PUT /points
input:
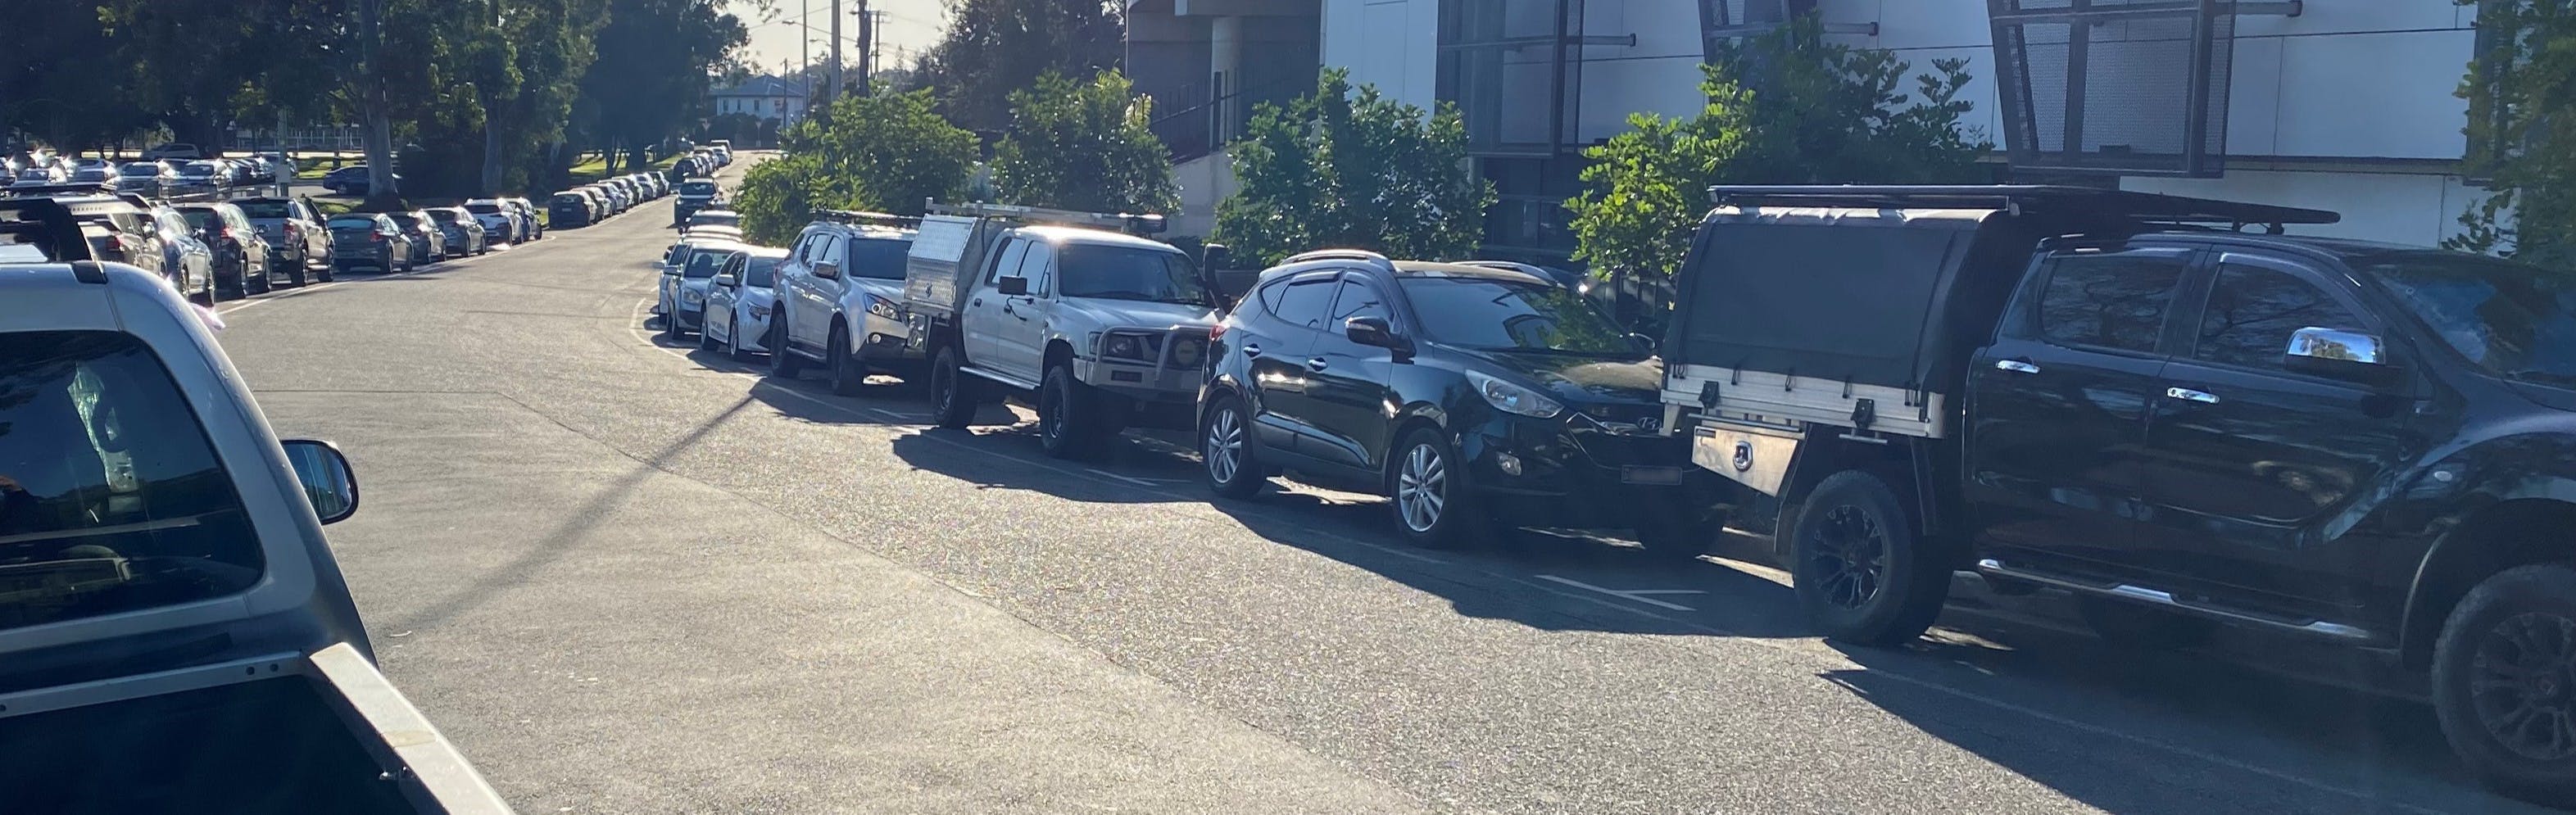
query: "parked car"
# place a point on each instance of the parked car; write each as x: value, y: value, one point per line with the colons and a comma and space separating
x: 2120, y: 397
x: 535, y: 224
x: 39, y: 175
x: 1470, y: 395
x: 686, y: 271
x: 148, y: 177
x: 186, y: 260
x: 249, y: 172
x: 372, y: 240
x: 95, y: 171
x: 351, y: 180
x: 740, y: 299
x: 116, y: 229
x: 501, y: 221
x: 569, y: 209
x: 240, y: 257
x: 427, y: 241
x: 176, y: 631
x: 204, y: 175
x: 457, y: 228
x: 294, y: 233
x: 713, y: 217
x: 695, y: 194
x: 841, y: 290
x: 173, y: 150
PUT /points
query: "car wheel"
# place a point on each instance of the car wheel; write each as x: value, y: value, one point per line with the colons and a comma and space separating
x: 848, y: 375
x: 300, y: 273
x: 2504, y: 682
x: 671, y: 324
x: 782, y: 363
x: 1068, y: 421
x: 1434, y: 506
x: 1859, y: 571
x: 705, y: 344
x: 2142, y: 626
x: 952, y: 393
x: 261, y: 276
x: 1227, y: 454
x: 733, y: 341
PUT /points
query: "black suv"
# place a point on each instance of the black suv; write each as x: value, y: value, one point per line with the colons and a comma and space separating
x: 1467, y: 393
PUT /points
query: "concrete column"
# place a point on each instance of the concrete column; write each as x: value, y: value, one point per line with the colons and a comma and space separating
x: 1225, y: 58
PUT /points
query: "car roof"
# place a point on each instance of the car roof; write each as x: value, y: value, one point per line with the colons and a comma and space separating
x: 1094, y: 237
x: 765, y: 251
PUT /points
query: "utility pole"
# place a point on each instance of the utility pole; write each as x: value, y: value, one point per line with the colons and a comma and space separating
x: 867, y: 46
x: 835, y: 94
x: 804, y: 31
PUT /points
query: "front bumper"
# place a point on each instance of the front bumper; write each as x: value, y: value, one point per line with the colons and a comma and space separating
x: 692, y: 316
x: 1567, y: 471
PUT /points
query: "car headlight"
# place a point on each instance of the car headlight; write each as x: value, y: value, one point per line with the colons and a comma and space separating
x: 1187, y: 352
x: 1510, y: 398
x: 692, y: 296
x: 1124, y: 346
x: 881, y: 307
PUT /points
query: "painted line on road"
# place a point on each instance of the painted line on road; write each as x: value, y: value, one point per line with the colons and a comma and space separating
x: 1107, y: 474
x: 1624, y: 595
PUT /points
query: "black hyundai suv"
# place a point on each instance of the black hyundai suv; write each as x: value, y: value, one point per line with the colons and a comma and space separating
x: 1469, y: 394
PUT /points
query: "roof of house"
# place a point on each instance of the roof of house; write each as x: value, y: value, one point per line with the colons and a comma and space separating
x: 764, y: 86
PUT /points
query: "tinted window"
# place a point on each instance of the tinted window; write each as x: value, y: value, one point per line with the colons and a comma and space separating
x: 698, y: 188
x: 2109, y: 301
x: 1356, y: 300
x: 1305, y: 302
x: 205, y: 219
x: 139, y: 169
x: 2508, y: 318
x: 265, y: 209
x: 704, y: 262
x: 2252, y: 311
x: 351, y: 223
x: 111, y: 498
x: 479, y: 209
x: 1127, y: 273
x: 879, y: 258
x: 1503, y: 315
x: 756, y: 271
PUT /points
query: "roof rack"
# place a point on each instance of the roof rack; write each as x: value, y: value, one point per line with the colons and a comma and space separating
x: 1147, y: 224
x: 2038, y: 199
x: 1338, y: 254
x: 853, y: 217
x: 46, y: 224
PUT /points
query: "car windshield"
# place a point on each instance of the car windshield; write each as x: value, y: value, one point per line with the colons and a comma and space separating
x: 484, y: 209
x: 755, y: 270
x: 139, y: 169
x: 265, y: 209
x: 2511, y: 319
x: 199, y: 168
x: 879, y: 258
x: 205, y: 219
x: 405, y: 220
x: 1127, y: 273
x: 111, y: 498
x: 715, y: 219
x: 351, y: 223
x: 704, y: 262
x: 698, y: 188
x: 1493, y: 314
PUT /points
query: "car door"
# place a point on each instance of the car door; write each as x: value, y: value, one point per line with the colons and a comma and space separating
x: 1284, y: 414
x: 718, y: 322
x: 2056, y: 418
x: 1346, y: 382
x: 812, y: 327
x: 2252, y: 466
x: 1022, y: 332
x: 795, y: 283
x: 983, y: 313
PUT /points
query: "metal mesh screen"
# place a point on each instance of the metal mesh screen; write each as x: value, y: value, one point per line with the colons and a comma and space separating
x: 1511, y: 67
x: 2129, y: 87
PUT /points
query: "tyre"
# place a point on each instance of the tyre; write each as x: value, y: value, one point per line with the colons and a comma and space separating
x: 1227, y: 452
x: 671, y: 324
x: 953, y: 394
x: 1434, y: 506
x: 1068, y: 416
x: 848, y: 375
x: 704, y: 344
x: 2504, y: 682
x: 733, y: 342
x: 1860, y: 573
x: 300, y: 273
x: 259, y: 277
x: 783, y: 363
x: 2142, y: 626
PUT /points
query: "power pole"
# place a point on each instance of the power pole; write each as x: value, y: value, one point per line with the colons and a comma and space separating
x: 804, y: 33
x: 867, y: 46
x: 835, y: 94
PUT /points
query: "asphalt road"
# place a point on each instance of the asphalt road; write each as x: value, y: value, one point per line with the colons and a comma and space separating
x: 631, y: 577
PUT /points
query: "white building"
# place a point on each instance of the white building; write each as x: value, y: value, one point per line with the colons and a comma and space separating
x: 768, y: 97
x: 2345, y: 104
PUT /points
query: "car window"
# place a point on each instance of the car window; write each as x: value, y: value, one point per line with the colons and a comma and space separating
x: 2511, y: 319
x: 265, y: 209
x: 1513, y: 315
x: 1129, y: 273
x: 1039, y: 267
x: 704, y: 263
x: 2253, y: 310
x: 351, y: 223
x: 756, y: 271
x: 111, y: 498
x: 1009, y: 261
x: 877, y: 258
x: 1305, y: 302
x: 2115, y: 301
x: 204, y: 219
x: 1356, y: 299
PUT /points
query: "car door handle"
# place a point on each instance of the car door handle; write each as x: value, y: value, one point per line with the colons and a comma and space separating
x: 2189, y: 395
x: 1315, y: 364
x: 2016, y: 366
x: 1253, y: 351
x: 977, y: 302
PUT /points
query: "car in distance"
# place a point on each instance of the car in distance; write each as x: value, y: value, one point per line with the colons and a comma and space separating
x: 695, y: 194
x: 740, y: 300
x: 351, y: 180
x: 173, y: 150
x: 241, y: 257
x: 427, y: 240
x: 39, y: 175
x: 204, y: 175
x: 568, y: 209
x: 841, y: 289
x: 148, y: 177
x: 370, y: 240
x: 529, y: 217
x: 464, y: 235
x: 501, y: 223
x: 187, y: 260
x: 685, y: 277
x: 294, y: 233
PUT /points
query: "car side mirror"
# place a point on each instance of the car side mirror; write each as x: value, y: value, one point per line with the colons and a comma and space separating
x: 1012, y: 286
x: 1214, y: 257
x: 1374, y: 332
x: 827, y: 271
x: 328, y: 482
x: 724, y: 280
x: 2341, y: 354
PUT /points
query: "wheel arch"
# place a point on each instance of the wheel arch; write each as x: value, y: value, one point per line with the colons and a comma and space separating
x: 2490, y: 539
x: 1825, y: 452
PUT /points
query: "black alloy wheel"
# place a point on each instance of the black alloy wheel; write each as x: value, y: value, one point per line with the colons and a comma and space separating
x: 1066, y: 428
x: 1858, y: 569
x: 952, y: 393
x: 2504, y: 682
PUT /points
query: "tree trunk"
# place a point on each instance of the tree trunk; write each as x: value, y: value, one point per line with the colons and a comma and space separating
x: 491, y: 154
x: 375, y: 109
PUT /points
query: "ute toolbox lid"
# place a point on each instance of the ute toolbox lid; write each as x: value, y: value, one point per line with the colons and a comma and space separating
x: 1859, y: 305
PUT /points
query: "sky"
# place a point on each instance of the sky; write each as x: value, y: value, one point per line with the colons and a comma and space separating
x: 911, y: 26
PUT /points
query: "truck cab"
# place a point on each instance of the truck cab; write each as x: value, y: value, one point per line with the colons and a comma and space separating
x: 1099, y: 327
x: 2176, y: 423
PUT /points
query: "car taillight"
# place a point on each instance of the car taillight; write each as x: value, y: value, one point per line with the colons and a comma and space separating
x: 378, y: 237
x: 1216, y: 333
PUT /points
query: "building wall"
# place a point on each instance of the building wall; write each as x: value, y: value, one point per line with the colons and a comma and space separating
x: 1393, y: 44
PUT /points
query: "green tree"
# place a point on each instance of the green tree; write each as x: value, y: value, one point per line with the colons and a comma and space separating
x: 1339, y: 168
x: 2521, y: 88
x: 58, y: 91
x: 994, y: 48
x: 649, y: 78
x: 889, y: 152
x: 1087, y: 146
x: 1783, y: 108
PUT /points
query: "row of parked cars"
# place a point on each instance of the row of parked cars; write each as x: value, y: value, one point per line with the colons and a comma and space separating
x: 162, y: 177
x: 215, y: 250
x: 403, y: 241
x: 600, y: 200
x: 2116, y: 404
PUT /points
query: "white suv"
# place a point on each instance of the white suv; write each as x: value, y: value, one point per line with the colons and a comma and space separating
x: 840, y: 301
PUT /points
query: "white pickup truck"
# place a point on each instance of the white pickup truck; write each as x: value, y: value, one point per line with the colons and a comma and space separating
x: 1101, y: 328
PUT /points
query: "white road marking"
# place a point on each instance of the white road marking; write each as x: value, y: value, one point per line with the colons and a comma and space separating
x: 1625, y: 595
x: 1107, y: 474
